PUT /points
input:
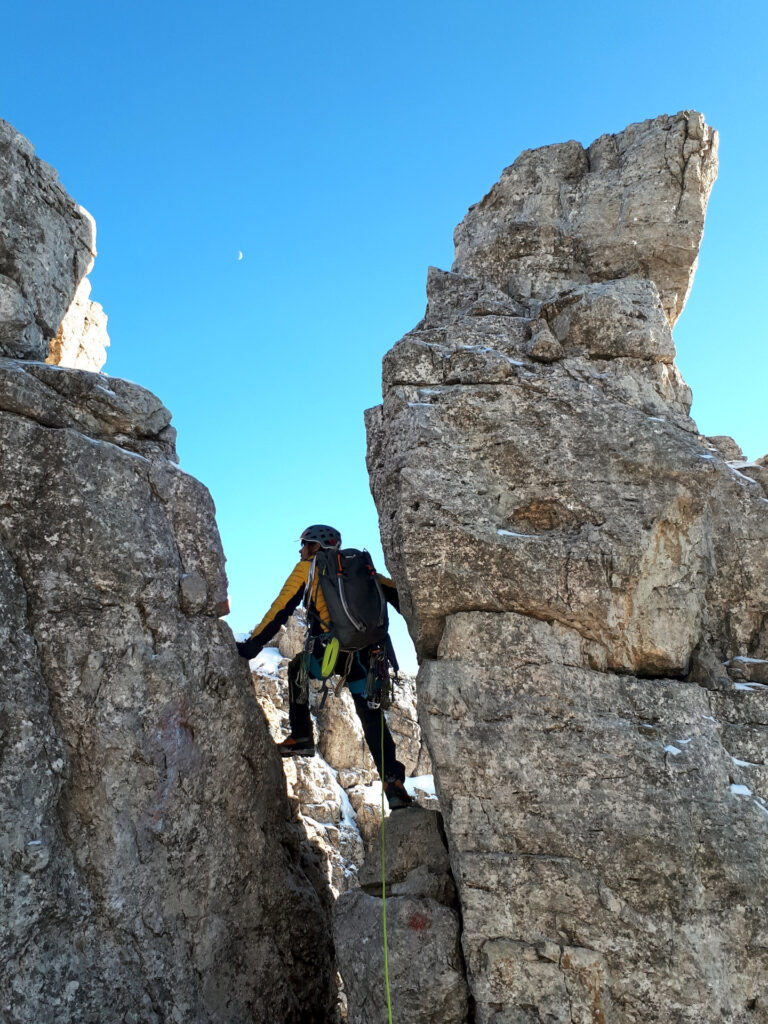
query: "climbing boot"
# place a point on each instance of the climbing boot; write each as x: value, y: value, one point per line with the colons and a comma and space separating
x: 397, y: 795
x: 294, y: 746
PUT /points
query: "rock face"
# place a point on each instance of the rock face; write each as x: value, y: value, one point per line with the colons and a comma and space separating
x: 150, y: 871
x: 336, y: 795
x: 426, y: 969
x: 584, y: 577
x: 631, y: 205
x: 47, y: 245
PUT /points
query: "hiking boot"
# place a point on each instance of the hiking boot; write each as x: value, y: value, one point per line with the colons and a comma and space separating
x: 397, y: 795
x: 292, y: 746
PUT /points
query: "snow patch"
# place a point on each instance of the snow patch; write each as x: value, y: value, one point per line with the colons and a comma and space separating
x: 521, y: 536
x: 179, y: 469
x: 674, y: 751
x: 348, y: 816
x: 267, y: 661
x: 118, y: 448
x: 739, y: 790
x: 373, y: 793
x: 423, y: 783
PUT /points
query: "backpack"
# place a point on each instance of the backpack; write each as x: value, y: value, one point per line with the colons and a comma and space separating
x: 356, y: 603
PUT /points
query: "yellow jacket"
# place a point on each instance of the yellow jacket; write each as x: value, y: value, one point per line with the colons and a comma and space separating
x: 288, y: 600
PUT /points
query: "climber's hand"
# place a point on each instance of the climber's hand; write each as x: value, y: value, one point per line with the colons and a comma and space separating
x: 247, y: 648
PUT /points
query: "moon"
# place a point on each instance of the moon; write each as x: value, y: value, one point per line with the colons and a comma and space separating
x: 239, y: 254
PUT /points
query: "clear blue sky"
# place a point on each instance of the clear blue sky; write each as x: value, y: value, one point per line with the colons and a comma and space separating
x: 336, y: 145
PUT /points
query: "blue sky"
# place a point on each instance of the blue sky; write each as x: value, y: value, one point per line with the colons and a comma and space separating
x: 336, y: 145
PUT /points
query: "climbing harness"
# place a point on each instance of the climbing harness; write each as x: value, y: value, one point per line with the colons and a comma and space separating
x: 377, y: 693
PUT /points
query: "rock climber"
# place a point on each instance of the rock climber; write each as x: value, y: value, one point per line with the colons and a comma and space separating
x: 300, y: 741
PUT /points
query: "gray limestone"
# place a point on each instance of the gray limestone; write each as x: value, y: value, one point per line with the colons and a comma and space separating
x: 47, y: 246
x: 148, y: 865
x: 586, y: 581
x: 631, y: 204
x: 425, y: 963
x: 150, y: 871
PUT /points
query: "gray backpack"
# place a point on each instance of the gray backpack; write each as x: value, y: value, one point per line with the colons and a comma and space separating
x: 355, y: 599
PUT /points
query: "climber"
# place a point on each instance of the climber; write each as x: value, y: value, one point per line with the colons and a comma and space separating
x: 300, y: 741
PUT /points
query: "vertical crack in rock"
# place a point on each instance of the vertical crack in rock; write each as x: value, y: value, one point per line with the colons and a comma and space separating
x: 586, y: 581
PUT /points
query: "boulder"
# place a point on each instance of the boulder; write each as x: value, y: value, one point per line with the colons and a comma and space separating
x: 426, y: 972
x: 415, y: 844
x: 425, y: 963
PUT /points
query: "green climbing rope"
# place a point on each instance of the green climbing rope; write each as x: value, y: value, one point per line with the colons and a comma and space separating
x: 384, y: 876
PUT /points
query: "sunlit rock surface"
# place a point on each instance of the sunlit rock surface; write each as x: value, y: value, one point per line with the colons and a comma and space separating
x: 425, y: 965
x: 81, y: 340
x: 47, y: 245
x: 586, y: 582
x: 149, y: 867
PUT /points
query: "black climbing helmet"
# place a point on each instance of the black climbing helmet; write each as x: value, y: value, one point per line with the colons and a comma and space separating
x: 325, y: 536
